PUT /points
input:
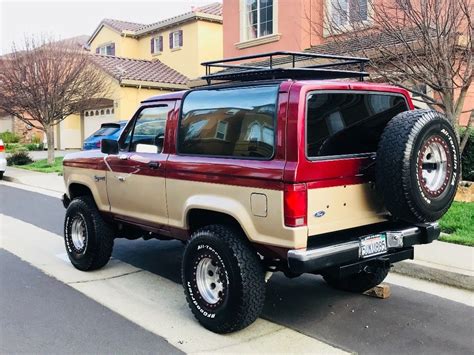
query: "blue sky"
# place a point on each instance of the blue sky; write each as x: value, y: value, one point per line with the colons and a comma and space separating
x: 69, y: 18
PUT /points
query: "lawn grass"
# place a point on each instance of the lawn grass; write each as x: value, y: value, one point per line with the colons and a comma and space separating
x: 43, y: 166
x: 458, y: 223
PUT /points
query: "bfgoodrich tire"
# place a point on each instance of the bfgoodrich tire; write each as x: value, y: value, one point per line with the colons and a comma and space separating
x: 223, y: 279
x: 360, y: 282
x: 417, y: 169
x: 88, y: 238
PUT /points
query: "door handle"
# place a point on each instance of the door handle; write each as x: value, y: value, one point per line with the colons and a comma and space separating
x: 154, y: 164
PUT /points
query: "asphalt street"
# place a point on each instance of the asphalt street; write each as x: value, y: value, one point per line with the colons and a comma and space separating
x: 408, y: 322
x: 42, y: 315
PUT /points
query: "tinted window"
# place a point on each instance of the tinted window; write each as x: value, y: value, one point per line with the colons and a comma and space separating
x: 149, y: 129
x: 235, y: 122
x: 348, y: 123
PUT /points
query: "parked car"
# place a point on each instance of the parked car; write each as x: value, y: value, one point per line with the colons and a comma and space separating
x: 274, y: 170
x: 3, y: 160
x: 107, y: 130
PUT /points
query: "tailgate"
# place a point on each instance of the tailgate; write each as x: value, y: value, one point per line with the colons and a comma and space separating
x: 342, y: 207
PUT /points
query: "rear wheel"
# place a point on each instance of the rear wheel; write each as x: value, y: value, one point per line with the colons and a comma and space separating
x: 88, y: 238
x: 360, y: 282
x: 223, y: 279
x: 1, y: 175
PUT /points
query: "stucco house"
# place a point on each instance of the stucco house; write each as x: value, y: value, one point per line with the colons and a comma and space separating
x: 259, y: 26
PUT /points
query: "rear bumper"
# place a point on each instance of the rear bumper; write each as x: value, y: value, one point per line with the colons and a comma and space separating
x: 344, y: 257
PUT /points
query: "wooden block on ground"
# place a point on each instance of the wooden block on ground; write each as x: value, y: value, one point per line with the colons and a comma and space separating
x: 379, y: 291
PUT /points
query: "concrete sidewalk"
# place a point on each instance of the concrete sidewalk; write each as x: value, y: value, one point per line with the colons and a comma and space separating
x: 439, y: 262
x: 50, y: 181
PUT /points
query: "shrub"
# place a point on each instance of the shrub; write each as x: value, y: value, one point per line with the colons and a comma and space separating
x: 20, y: 157
x: 467, y: 159
x: 34, y: 146
x: 9, y: 137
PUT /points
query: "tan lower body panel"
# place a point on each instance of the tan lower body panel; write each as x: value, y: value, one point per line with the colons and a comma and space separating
x: 236, y: 201
x: 140, y: 197
x: 88, y: 178
x: 342, y: 207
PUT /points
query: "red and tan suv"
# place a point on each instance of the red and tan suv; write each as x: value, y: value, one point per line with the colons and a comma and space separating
x: 263, y: 173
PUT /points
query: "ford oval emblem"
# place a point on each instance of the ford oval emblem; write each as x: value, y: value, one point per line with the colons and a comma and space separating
x: 319, y: 214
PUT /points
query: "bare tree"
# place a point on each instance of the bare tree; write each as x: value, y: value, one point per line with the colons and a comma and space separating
x: 47, y: 81
x: 410, y: 42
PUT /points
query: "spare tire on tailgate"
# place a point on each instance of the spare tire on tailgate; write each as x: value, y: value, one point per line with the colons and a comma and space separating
x: 417, y: 167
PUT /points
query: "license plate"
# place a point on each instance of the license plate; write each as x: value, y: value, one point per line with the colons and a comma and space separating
x: 372, y: 245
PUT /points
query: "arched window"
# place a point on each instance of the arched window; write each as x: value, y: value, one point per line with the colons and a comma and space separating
x: 102, y: 112
x: 107, y: 111
x: 97, y: 112
x: 87, y: 114
x: 112, y: 111
x: 92, y: 113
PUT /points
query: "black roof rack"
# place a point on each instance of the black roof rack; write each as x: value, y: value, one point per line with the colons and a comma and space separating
x: 282, y: 65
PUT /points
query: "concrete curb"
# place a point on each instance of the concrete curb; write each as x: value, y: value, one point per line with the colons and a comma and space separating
x: 433, y: 274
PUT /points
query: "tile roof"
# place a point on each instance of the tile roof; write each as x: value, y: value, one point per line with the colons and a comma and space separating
x: 211, y: 9
x: 141, y: 70
x: 212, y: 12
x: 122, y: 25
x: 364, y: 43
x: 349, y: 47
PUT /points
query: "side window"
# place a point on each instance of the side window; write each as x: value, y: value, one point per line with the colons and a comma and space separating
x: 148, y: 133
x: 233, y: 122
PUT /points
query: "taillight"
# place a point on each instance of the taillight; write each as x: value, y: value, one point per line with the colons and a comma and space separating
x: 2, y: 148
x: 295, y: 205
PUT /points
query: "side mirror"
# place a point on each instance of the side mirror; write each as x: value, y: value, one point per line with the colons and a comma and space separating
x: 109, y: 146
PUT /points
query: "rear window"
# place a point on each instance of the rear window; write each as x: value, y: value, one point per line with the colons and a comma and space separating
x: 231, y: 122
x: 106, y: 131
x: 348, y: 123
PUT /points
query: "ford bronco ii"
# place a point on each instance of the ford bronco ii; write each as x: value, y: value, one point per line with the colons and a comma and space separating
x: 268, y: 170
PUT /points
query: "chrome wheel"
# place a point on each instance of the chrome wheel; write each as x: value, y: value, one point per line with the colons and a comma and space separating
x: 78, y: 233
x: 434, y: 169
x: 209, y: 281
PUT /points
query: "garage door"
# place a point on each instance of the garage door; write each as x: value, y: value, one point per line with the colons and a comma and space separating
x: 93, y: 119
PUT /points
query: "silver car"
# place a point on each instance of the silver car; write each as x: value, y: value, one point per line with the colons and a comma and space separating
x: 3, y: 160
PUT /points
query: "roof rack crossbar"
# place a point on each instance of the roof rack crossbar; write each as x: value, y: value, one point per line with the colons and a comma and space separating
x: 271, y: 68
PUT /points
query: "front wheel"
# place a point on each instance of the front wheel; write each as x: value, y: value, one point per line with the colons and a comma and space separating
x: 88, y: 238
x: 223, y: 279
x: 360, y: 282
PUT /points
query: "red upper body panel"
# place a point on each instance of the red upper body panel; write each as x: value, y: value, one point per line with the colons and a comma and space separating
x: 289, y: 164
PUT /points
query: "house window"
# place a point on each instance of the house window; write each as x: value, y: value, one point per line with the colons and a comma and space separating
x: 221, y: 131
x: 108, y: 49
x: 258, y: 18
x: 157, y: 45
x: 344, y: 12
x: 176, y: 39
